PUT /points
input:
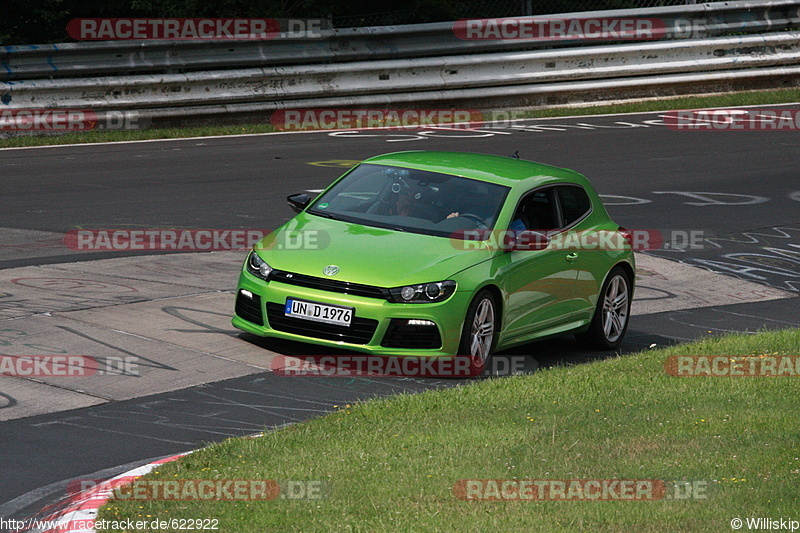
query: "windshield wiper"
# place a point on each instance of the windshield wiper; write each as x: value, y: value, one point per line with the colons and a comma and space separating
x: 325, y: 215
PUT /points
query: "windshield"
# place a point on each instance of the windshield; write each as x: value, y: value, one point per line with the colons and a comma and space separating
x: 416, y: 201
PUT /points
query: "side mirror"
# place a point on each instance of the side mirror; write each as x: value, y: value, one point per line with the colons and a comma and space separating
x: 298, y: 202
x: 529, y: 240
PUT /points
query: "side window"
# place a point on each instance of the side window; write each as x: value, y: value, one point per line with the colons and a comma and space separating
x: 575, y: 203
x: 536, y: 211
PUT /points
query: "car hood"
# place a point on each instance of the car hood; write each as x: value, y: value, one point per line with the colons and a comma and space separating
x: 364, y: 254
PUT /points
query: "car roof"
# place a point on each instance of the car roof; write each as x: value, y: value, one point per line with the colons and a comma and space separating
x: 502, y: 170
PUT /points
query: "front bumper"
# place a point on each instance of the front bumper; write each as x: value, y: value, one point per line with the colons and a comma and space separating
x: 378, y: 327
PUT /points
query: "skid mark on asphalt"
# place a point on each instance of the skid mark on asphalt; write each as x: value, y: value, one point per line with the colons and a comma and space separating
x: 202, y: 327
x: 140, y: 359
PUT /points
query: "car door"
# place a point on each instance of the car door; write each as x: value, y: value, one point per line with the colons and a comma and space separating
x: 539, y: 285
x: 580, y: 244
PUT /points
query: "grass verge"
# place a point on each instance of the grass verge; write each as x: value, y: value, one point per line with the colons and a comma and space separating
x: 391, y: 464
x: 763, y: 97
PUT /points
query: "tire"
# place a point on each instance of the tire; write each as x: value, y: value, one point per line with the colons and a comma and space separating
x: 479, y: 334
x: 612, y: 314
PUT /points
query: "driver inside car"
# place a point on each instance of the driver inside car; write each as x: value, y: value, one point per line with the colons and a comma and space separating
x: 408, y: 206
x: 401, y: 203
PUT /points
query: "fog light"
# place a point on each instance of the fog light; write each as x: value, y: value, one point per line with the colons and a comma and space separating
x: 418, y: 322
x: 246, y: 293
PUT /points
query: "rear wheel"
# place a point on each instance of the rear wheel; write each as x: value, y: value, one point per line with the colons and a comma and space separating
x: 479, y: 335
x: 611, y: 315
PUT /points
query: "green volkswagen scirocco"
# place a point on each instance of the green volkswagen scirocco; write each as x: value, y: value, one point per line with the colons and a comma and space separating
x: 433, y: 254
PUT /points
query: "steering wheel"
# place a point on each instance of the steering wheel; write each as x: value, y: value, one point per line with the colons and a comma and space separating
x: 475, y: 218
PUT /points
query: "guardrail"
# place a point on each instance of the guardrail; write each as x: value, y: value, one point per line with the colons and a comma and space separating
x: 355, y: 44
x: 334, y: 70
x: 403, y: 75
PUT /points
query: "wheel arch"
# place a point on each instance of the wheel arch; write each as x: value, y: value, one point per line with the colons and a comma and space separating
x: 628, y: 268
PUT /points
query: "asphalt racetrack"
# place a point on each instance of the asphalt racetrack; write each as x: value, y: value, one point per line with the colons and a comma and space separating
x: 727, y: 205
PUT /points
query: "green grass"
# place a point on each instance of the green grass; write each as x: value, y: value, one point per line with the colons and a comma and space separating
x: 763, y: 97
x: 391, y: 464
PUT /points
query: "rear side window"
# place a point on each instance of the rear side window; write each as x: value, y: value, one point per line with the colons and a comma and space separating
x: 575, y: 203
x: 537, y: 211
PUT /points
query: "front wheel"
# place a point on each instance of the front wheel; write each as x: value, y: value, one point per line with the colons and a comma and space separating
x: 479, y: 334
x: 610, y: 320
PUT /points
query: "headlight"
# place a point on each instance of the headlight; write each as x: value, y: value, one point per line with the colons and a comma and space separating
x: 423, y: 293
x: 258, y: 267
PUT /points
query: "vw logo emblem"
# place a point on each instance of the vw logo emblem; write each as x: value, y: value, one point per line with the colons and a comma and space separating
x: 330, y: 270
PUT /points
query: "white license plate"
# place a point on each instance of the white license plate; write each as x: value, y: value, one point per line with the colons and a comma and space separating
x: 330, y: 314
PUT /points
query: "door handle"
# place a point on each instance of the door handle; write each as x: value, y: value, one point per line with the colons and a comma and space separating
x: 572, y: 257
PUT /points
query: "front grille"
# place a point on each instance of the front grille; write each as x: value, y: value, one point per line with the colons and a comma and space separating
x: 330, y: 285
x: 402, y: 335
x: 249, y: 308
x: 360, y: 330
